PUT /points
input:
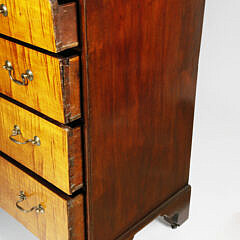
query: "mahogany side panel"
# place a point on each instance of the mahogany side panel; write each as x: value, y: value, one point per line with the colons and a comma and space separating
x: 129, y: 238
x: 139, y: 86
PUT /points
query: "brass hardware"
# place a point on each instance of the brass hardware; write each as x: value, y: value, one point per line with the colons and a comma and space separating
x: 3, y: 10
x: 26, y: 77
x: 38, y: 209
x: 16, y: 132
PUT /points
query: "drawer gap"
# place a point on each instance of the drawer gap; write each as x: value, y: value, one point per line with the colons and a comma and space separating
x: 42, y: 180
x: 65, y: 1
x: 66, y: 53
x: 76, y: 123
x: 59, y: 152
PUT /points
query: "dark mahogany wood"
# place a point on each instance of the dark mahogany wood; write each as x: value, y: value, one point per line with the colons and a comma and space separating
x: 130, y: 238
x: 75, y: 218
x: 70, y: 73
x: 75, y: 157
x: 140, y: 62
x: 65, y: 22
x: 177, y: 204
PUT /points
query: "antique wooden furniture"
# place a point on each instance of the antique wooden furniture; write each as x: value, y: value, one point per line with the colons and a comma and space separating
x: 96, y: 114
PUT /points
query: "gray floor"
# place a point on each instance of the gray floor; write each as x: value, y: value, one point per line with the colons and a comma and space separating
x: 215, y: 208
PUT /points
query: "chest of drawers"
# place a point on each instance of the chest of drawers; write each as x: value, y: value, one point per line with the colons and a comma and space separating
x: 96, y: 114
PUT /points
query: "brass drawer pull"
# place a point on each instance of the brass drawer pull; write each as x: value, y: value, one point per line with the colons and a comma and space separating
x: 3, y: 10
x: 16, y: 132
x: 37, y: 209
x: 26, y: 77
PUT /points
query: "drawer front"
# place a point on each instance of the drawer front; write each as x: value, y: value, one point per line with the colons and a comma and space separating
x: 45, y: 23
x: 52, y: 152
x: 54, y: 89
x: 52, y: 216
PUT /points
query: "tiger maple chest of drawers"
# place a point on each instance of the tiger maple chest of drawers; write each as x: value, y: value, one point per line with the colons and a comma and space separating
x: 96, y: 114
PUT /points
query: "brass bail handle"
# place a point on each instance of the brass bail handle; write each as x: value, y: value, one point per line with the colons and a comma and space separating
x: 22, y: 197
x: 3, y: 10
x: 26, y: 77
x: 16, y: 132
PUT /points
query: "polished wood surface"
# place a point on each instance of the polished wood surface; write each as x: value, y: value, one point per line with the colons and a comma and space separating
x: 56, y: 222
x: 177, y: 204
x: 43, y: 23
x: 55, y: 88
x: 57, y: 159
x: 129, y: 238
x: 139, y: 87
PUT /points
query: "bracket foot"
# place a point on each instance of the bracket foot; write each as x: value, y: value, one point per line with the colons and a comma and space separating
x: 173, y: 221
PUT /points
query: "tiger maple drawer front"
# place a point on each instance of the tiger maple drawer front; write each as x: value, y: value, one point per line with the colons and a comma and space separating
x: 51, y: 151
x: 43, y: 212
x: 45, y: 24
x: 47, y: 84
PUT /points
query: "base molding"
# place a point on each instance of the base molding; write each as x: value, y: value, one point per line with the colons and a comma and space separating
x: 130, y: 238
x: 178, y: 204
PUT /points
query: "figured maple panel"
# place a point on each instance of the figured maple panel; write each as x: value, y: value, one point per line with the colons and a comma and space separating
x: 55, y: 88
x: 43, y: 23
x: 57, y: 159
x: 56, y: 222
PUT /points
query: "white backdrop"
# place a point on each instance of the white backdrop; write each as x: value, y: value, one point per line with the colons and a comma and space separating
x: 215, y: 169
x: 215, y: 166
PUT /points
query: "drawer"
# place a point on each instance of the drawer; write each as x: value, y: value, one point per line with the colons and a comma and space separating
x: 45, y: 24
x: 54, y: 216
x: 51, y: 151
x: 54, y: 89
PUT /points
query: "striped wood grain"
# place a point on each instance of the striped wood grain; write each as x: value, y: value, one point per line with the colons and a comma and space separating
x: 43, y: 23
x: 57, y: 159
x: 55, y: 89
x: 56, y: 222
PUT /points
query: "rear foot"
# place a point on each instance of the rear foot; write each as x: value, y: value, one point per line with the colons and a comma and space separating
x: 172, y: 221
